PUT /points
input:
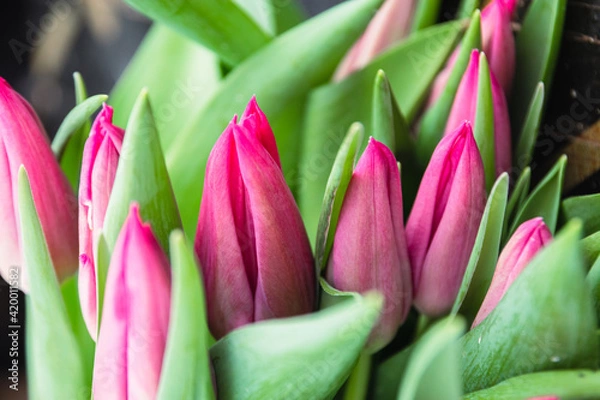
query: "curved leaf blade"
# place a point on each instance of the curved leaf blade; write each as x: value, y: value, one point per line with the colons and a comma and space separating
x: 529, y: 132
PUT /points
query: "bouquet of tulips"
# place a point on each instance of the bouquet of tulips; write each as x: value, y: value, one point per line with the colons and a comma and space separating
x: 274, y: 207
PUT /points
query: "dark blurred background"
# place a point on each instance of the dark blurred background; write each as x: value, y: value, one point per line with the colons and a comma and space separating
x: 42, y: 42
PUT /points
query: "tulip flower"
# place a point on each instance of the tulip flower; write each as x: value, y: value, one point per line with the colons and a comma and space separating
x: 529, y: 238
x: 99, y: 166
x: 465, y: 108
x: 444, y: 220
x: 135, y: 316
x: 23, y: 141
x: 369, y: 248
x: 390, y: 24
x: 255, y: 255
x: 497, y: 42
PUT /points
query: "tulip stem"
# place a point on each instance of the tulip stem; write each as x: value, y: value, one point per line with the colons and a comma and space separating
x: 357, y: 385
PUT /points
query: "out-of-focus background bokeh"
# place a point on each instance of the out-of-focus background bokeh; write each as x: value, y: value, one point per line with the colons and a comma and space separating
x: 42, y: 42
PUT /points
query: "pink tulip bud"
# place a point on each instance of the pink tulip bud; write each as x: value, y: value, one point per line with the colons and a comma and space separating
x: 23, y: 141
x: 529, y: 238
x: 390, y: 24
x: 444, y: 220
x: 135, y: 316
x: 497, y: 42
x: 255, y: 255
x: 465, y: 108
x: 369, y: 249
x: 98, y: 169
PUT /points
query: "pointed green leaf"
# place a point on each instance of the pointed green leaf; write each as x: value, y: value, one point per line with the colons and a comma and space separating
x: 338, y: 182
x: 383, y: 128
x: 52, y: 346
x: 593, y: 280
x: 544, y: 201
x: 586, y: 208
x: 102, y: 262
x: 566, y: 385
x: 517, y: 197
x: 426, y: 14
x: 297, y: 61
x: 410, y: 67
x: 591, y: 248
x: 467, y: 7
x: 433, y: 369
x: 529, y: 132
x: 545, y: 320
x: 220, y: 25
x: 484, y: 255
x: 313, y: 353
x: 288, y: 14
x: 142, y: 177
x: 75, y: 120
x: 484, y: 122
x: 434, y: 120
x: 186, y: 372
x: 537, y: 45
x: 180, y: 75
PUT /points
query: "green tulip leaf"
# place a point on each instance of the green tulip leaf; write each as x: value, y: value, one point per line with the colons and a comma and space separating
x: 331, y: 296
x: 426, y: 14
x: 467, y: 7
x: 305, y: 357
x: 221, y: 25
x: 74, y: 135
x: 180, y: 76
x: 186, y: 372
x: 544, y: 200
x: 537, y: 45
x: 484, y: 255
x: 142, y: 177
x: 298, y: 60
x: 586, y: 208
x: 102, y: 262
x: 545, y: 321
x: 591, y: 248
x: 288, y: 14
x: 433, y: 372
x: 529, y: 132
x: 338, y: 182
x: 484, y: 122
x: 517, y: 197
x: 593, y: 280
x: 52, y: 345
x: 434, y: 119
x: 565, y: 385
x: 410, y: 68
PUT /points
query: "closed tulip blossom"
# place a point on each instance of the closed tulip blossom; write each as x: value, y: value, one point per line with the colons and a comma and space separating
x: 135, y: 316
x: 369, y: 249
x: 444, y: 221
x: 465, y: 108
x: 529, y: 238
x: 99, y: 166
x: 255, y: 255
x: 23, y: 141
x: 497, y: 42
x: 389, y: 25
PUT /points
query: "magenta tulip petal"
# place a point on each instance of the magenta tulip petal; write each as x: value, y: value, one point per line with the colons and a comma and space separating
x: 390, y: 24
x: 135, y: 316
x: 99, y: 167
x: 23, y: 141
x: 369, y: 249
x: 444, y: 221
x: 251, y: 243
x: 529, y: 238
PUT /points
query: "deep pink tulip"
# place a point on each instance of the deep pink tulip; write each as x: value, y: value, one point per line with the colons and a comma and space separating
x: 444, y: 220
x: 369, y: 249
x: 135, y: 316
x: 389, y: 25
x: 255, y: 255
x: 529, y: 238
x: 497, y: 42
x: 23, y: 141
x: 465, y: 108
x: 98, y: 169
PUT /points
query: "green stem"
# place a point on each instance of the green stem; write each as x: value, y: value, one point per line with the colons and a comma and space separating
x: 357, y: 386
